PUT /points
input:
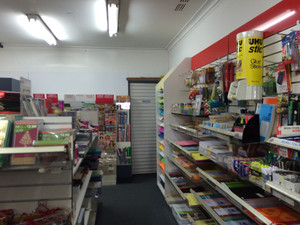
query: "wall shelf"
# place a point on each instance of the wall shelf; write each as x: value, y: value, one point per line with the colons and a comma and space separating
x: 220, y: 133
x: 180, y: 148
x: 283, y: 193
x: 184, y: 170
x: 188, y: 131
x: 176, y: 187
x: 226, y: 192
x: 184, y: 114
x: 183, y: 129
x: 208, y: 209
x: 284, y: 143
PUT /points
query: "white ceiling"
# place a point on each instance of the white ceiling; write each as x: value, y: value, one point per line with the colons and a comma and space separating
x: 143, y: 23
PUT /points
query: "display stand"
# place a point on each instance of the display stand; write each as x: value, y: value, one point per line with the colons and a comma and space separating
x: 107, y: 136
x: 26, y: 187
x: 124, y: 166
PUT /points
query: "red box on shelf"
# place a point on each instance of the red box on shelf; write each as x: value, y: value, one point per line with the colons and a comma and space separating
x: 104, y: 99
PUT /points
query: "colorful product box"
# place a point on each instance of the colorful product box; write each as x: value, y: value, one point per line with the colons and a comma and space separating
x: 280, y: 214
x: 25, y: 132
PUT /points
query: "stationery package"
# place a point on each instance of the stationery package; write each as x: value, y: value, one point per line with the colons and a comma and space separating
x: 25, y: 132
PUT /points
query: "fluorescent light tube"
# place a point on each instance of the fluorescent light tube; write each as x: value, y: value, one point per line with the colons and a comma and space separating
x: 274, y: 21
x: 101, y: 14
x: 113, y: 19
x: 39, y: 29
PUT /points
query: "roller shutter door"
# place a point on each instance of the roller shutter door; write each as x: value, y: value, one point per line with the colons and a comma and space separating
x: 143, y: 127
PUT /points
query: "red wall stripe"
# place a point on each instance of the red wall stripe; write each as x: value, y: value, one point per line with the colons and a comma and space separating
x: 210, y: 54
x: 227, y: 44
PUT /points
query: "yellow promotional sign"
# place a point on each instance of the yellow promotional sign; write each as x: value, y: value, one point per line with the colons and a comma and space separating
x: 254, y: 60
x: 249, y: 57
x: 240, y: 49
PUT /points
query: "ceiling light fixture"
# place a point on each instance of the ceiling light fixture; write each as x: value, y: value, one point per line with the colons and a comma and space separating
x: 274, y: 21
x: 39, y: 29
x: 101, y: 14
x: 113, y: 18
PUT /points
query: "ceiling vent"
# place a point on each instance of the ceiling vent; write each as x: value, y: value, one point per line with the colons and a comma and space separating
x: 184, y: 0
x: 180, y: 7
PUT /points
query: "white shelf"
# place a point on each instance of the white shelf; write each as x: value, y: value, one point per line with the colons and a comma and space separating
x: 162, y: 177
x: 75, y: 168
x: 161, y: 188
x: 284, y: 143
x: 237, y: 201
x: 22, y: 150
x: 185, y: 130
x: 188, y: 173
x: 87, y: 212
x: 93, y: 211
x: 178, y: 147
x: 176, y: 187
x: 92, y: 219
x: 80, y: 196
x: 191, y: 219
x: 220, y: 133
x: 162, y: 153
x: 207, y: 208
x: 293, y: 196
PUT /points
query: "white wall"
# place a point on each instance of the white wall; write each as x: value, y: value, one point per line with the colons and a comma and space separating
x: 80, y: 71
x: 224, y: 17
x: 97, y: 71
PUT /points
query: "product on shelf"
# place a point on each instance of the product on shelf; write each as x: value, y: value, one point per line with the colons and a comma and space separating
x: 180, y: 211
x: 24, y: 134
x: 9, y: 102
